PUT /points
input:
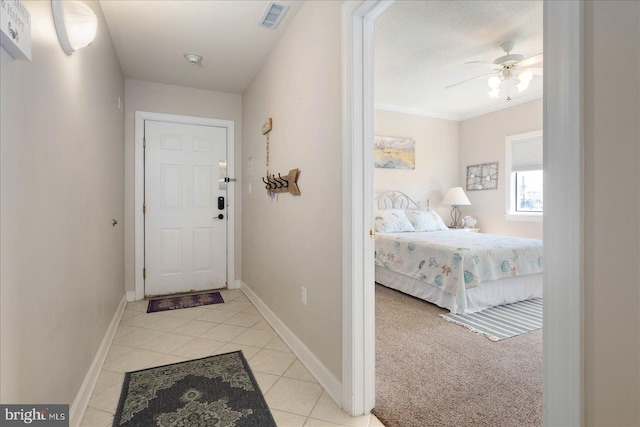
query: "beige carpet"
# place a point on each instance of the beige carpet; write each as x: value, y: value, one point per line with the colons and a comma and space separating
x: 430, y: 372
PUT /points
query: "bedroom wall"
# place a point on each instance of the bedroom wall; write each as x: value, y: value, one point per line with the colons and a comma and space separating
x: 482, y: 140
x: 61, y: 179
x: 296, y: 241
x: 437, y: 155
x: 611, y: 213
x: 169, y: 99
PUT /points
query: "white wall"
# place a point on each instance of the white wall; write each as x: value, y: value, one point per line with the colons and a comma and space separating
x: 62, y: 169
x: 437, y: 164
x: 445, y: 148
x: 168, y: 99
x: 482, y: 140
x: 295, y: 241
x: 611, y: 214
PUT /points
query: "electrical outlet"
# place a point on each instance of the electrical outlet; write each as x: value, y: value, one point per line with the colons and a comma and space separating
x: 303, y: 294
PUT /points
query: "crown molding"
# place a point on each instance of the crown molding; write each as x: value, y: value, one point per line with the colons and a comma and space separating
x: 416, y: 112
x: 459, y: 117
x: 502, y: 106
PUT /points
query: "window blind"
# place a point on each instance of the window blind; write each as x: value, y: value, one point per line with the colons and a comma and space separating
x: 526, y: 154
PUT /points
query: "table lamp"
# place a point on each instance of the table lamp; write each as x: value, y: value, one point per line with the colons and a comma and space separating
x: 455, y: 197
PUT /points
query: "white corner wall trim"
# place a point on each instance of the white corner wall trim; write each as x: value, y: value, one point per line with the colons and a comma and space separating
x: 358, y: 296
x: 131, y: 296
x: 80, y: 403
x: 563, y: 344
x: 326, y: 379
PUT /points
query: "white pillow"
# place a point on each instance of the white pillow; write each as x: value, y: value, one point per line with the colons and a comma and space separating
x: 392, y: 221
x: 425, y: 220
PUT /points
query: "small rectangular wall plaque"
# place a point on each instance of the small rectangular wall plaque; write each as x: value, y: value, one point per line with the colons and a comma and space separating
x: 15, y: 29
x: 266, y: 126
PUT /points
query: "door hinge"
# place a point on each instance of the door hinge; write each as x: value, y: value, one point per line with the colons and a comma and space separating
x: 144, y: 273
x: 144, y: 209
x: 144, y: 142
x: 372, y: 232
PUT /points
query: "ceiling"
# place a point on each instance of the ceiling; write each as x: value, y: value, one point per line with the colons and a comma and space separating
x: 421, y: 47
x: 152, y: 36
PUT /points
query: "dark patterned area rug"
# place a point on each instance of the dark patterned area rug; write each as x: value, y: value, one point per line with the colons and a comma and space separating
x: 184, y: 301
x: 216, y: 391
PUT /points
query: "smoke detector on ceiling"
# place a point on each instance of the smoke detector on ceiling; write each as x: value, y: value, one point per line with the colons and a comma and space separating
x: 193, y: 58
x: 273, y: 14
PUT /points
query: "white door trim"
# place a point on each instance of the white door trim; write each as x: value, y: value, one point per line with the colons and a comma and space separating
x: 563, y: 365
x: 140, y: 117
x: 358, y: 300
x: 563, y: 401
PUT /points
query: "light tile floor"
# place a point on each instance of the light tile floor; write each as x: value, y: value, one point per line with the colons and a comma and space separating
x: 146, y: 340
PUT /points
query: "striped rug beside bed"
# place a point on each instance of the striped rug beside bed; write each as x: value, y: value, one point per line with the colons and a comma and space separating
x: 504, y: 321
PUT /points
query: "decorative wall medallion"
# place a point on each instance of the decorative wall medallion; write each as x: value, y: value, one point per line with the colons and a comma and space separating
x: 482, y: 177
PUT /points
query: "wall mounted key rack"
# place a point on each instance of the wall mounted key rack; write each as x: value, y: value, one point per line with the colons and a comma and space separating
x: 283, y: 184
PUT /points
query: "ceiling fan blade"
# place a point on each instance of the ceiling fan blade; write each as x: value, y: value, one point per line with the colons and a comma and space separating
x: 536, y: 71
x: 484, y: 64
x: 532, y: 60
x: 472, y: 78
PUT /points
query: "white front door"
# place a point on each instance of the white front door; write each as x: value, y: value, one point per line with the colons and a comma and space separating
x: 185, y: 209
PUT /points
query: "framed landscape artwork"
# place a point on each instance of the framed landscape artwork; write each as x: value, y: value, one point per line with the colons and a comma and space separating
x: 392, y: 152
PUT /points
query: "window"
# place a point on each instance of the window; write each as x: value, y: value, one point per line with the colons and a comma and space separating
x: 524, y: 198
x: 528, y: 191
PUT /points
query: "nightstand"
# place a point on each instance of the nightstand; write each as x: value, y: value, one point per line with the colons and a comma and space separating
x: 468, y: 230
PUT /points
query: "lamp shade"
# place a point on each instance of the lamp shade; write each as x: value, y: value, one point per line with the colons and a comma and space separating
x: 456, y: 197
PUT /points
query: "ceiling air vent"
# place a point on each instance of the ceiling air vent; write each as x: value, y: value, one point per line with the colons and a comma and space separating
x: 273, y: 14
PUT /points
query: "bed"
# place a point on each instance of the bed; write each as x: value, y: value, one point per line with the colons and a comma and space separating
x: 460, y: 271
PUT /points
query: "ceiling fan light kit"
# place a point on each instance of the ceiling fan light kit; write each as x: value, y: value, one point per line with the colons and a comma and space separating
x: 494, y: 84
x: 523, y: 80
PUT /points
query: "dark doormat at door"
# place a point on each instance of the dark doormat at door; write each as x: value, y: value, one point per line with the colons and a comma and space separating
x: 183, y: 301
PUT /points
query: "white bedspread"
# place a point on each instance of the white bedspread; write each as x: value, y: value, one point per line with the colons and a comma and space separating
x: 455, y: 261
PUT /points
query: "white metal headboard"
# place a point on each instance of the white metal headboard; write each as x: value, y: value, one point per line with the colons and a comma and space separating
x: 396, y: 200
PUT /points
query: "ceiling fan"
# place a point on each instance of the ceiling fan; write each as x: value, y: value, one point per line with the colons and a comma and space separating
x: 506, y: 67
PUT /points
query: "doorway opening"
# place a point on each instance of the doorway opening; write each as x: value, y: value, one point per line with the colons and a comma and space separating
x: 563, y: 209
x: 428, y: 92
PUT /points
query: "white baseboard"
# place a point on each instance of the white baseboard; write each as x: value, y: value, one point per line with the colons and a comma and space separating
x: 79, y: 406
x: 131, y: 296
x: 236, y: 284
x: 326, y: 379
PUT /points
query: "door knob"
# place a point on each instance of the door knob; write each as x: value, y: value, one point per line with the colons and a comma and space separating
x: 219, y: 217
